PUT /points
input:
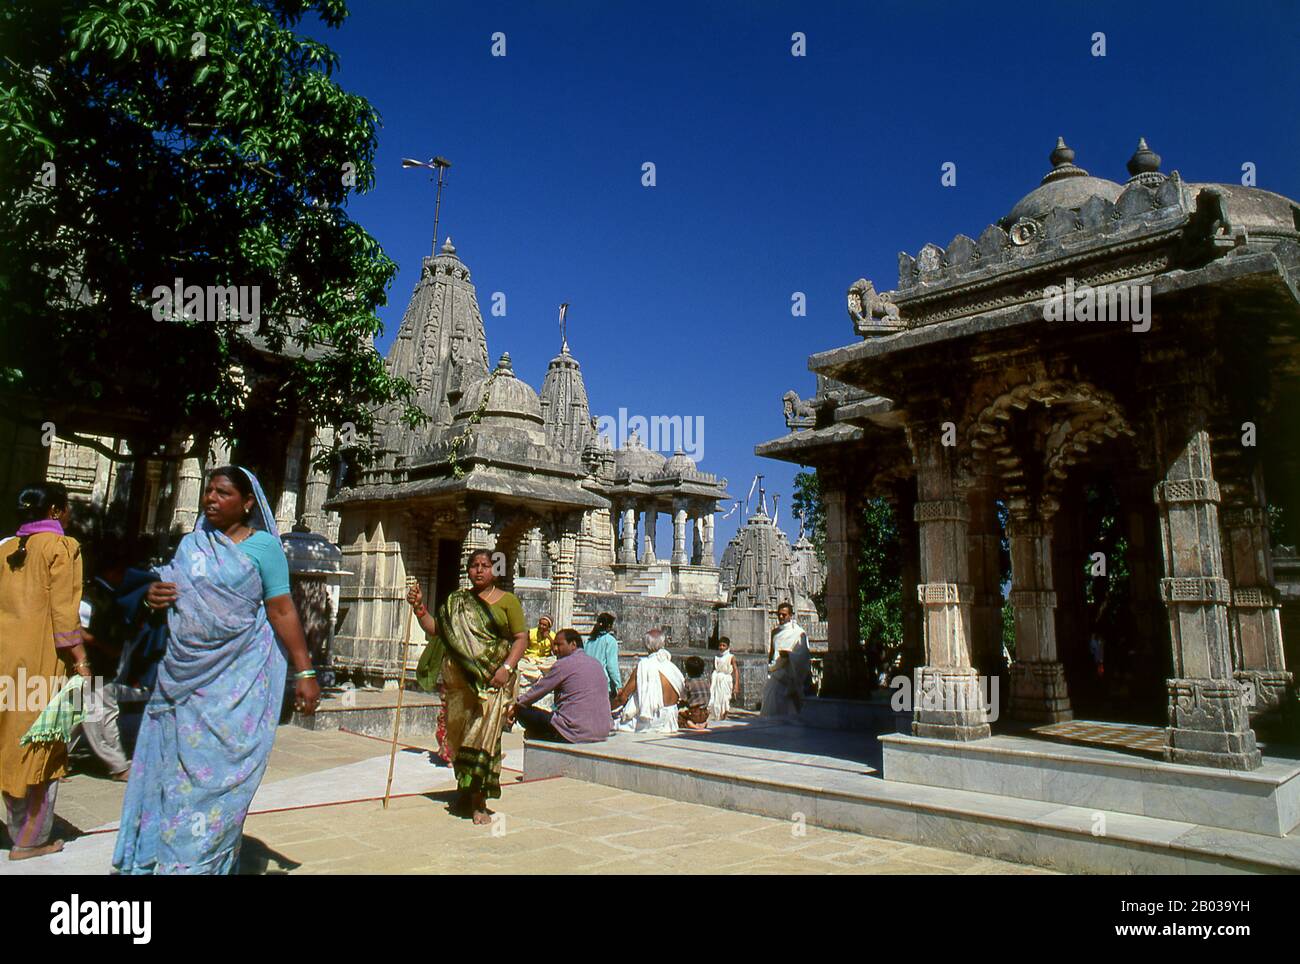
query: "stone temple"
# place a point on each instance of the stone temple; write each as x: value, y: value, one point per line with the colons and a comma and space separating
x: 526, y: 475
x: 993, y: 393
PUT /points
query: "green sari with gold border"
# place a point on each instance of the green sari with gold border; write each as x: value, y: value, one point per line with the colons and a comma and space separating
x: 472, y: 641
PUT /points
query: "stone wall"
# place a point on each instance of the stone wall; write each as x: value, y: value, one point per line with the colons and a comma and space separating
x: 688, y: 622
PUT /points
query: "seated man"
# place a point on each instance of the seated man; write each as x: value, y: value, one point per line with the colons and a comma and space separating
x: 649, y: 697
x: 581, y: 698
x: 537, y: 658
x: 695, y: 695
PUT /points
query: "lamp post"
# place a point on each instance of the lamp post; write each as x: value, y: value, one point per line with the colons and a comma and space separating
x: 441, y: 165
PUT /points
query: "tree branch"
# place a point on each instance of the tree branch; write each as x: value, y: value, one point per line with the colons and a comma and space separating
x: 96, y: 446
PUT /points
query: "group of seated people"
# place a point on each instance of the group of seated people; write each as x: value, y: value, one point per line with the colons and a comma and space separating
x: 587, y: 699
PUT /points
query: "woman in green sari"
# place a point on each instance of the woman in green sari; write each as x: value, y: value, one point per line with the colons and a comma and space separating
x: 475, y: 643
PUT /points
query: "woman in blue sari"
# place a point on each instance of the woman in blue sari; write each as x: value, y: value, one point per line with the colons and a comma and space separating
x: 210, y: 723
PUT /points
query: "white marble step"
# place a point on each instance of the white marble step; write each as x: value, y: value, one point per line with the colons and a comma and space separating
x: 754, y: 775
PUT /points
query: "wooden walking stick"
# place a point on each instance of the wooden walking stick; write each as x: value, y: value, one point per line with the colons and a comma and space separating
x: 401, y: 689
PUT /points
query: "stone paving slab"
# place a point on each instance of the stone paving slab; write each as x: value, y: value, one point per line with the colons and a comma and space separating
x: 312, y: 822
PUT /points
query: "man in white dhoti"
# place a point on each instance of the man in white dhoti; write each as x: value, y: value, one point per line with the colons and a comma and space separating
x: 649, y: 697
x: 789, y: 665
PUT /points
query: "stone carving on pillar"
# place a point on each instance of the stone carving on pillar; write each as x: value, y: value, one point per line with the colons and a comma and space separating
x: 679, y: 557
x: 706, y: 551
x: 1254, y: 613
x: 561, y: 546
x: 648, y: 557
x: 627, y: 548
x: 189, y: 492
x: 317, y: 488
x: 1209, y: 723
x: 985, y: 540
x: 953, y: 708
x: 844, y: 668
x: 286, y: 509
x: 1038, y: 690
x: 482, y: 515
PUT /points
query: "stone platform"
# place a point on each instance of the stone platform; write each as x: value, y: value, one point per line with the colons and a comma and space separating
x: 832, y: 779
x: 369, y: 712
x: 1263, y: 801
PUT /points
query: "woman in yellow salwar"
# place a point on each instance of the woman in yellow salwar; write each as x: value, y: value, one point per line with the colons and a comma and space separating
x: 40, y: 634
x: 477, y: 639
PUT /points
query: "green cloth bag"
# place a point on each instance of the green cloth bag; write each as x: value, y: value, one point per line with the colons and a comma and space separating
x: 57, y: 721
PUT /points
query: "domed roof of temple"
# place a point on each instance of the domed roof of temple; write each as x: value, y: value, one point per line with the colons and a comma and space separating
x: 565, y: 409
x: 508, y: 398
x: 1064, y: 186
x: 636, y: 461
x: 680, y: 466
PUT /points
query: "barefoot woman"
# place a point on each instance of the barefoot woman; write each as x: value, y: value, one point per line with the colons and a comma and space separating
x: 483, y: 636
x: 210, y: 723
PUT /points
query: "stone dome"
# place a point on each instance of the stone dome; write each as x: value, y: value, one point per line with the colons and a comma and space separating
x: 1064, y: 186
x: 680, y: 466
x: 509, y: 399
x: 1256, y: 210
x: 636, y: 461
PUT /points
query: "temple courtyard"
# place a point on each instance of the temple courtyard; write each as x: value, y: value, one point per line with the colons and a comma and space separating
x: 319, y: 811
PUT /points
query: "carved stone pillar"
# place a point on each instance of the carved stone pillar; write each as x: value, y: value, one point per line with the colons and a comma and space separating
x: 1038, y: 690
x: 1208, y: 721
x: 286, y: 506
x: 904, y: 503
x: 985, y: 540
x: 679, y: 557
x: 317, y: 488
x: 947, y: 701
x: 1151, y: 627
x: 707, y: 557
x: 627, y: 548
x: 479, y: 536
x: 844, y: 669
x: 189, y: 493
x: 561, y: 546
x: 648, y: 557
x: 1254, y: 613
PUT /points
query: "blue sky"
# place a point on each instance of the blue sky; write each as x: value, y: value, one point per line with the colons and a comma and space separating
x: 775, y: 174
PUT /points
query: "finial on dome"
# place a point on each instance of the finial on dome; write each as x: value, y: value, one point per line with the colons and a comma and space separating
x: 1062, y: 158
x: 1062, y: 154
x: 1144, y: 160
x: 504, y: 366
x: 448, y: 247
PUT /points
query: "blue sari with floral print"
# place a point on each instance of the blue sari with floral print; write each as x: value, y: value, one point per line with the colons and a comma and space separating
x: 210, y: 723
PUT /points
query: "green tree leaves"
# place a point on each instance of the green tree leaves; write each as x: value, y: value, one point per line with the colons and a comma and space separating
x: 202, y: 140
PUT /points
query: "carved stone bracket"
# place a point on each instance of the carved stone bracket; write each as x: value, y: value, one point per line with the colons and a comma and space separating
x: 942, y: 510
x: 1186, y: 490
x: 1196, y: 590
